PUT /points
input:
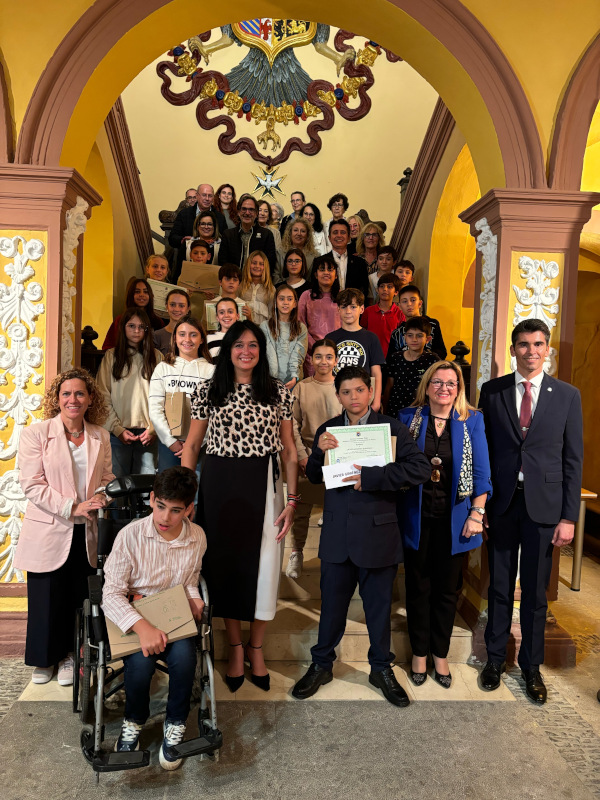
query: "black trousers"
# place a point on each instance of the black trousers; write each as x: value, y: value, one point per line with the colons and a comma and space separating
x: 338, y: 582
x: 507, y: 533
x: 52, y: 599
x: 433, y: 579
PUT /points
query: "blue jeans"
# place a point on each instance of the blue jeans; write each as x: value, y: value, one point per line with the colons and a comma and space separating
x: 139, y: 669
x: 134, y: 458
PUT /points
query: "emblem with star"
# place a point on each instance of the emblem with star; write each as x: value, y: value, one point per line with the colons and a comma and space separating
x: 268, y: 183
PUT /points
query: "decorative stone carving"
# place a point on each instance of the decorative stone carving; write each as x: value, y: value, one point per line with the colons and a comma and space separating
x: 538, y: 300
x: 21, y: 356
x: 487, y: 244
x: 76, y: 224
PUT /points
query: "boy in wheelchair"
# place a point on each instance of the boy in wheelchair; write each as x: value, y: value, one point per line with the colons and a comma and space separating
x: 150, y: 555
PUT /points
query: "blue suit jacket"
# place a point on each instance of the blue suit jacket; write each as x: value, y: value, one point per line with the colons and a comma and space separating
x: 410, y: 502
x: 363, y: 526
x: 551, y: 454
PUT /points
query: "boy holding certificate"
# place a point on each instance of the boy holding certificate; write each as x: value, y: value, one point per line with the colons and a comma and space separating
x: 149, y: 555
x: 360, y: 539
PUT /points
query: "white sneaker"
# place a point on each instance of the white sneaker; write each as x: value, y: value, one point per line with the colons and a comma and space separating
x: 65, y: 671
x: 295, y: 564
x: 128, y: 740
x: 320, y: 522
x: 42, y: 674
x: 174, y: 733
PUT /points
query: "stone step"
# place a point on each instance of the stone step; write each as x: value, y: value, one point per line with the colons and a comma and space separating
x: 294, y: 630
x: 307, y: 587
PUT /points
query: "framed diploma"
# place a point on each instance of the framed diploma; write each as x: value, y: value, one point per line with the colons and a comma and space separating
x: 357, y: 442
x: 160, y: 291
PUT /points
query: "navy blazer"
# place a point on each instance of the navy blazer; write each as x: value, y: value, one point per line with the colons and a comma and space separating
x: 551, y: 453
x: 363, y: 526
x: 357, y: 274
x: 410, y: 504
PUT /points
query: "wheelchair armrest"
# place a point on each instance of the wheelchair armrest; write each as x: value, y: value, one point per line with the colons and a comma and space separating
x: 95, y: 589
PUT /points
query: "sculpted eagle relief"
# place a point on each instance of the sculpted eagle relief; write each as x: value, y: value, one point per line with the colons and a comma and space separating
x: 269, y: 87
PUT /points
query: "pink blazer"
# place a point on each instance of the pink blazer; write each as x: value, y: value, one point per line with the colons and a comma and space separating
x: 46, y: 477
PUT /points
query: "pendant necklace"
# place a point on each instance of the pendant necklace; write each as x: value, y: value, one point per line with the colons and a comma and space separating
x: 436, y: 461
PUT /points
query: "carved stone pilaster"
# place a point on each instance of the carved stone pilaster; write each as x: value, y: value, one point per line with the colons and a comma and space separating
x: 487, y: 244
x: 76, y: 224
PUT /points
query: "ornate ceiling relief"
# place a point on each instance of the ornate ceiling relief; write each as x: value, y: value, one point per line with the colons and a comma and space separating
x: 21, y: 359
x: 487, y: 244
x: 269, y: 87
x: 76, y: 224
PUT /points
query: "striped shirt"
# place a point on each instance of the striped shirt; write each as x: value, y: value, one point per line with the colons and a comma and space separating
x: 142, y: 562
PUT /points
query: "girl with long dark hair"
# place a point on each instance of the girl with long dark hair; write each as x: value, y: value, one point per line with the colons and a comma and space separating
x: 245, y: 415
x: 295, y: 271
x: 312, y: 214
x: 124, y: 379
x: 138, y: 294
x: 225, y: 202
x: 318, y: 309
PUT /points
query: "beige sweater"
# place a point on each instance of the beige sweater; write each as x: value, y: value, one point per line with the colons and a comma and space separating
x: 314, y: 404
x: 127, y: 399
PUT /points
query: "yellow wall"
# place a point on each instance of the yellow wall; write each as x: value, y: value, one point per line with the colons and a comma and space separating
x: 452, y: 253
x: 364, y: 159
x: 98, y: 253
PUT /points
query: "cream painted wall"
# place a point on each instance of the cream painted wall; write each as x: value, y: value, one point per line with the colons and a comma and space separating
x: 364, y: 159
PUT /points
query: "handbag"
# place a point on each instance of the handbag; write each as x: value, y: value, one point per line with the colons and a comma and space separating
x: 178, y: 414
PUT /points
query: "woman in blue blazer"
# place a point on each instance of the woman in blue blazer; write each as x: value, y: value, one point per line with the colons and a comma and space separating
x: 442, y: 518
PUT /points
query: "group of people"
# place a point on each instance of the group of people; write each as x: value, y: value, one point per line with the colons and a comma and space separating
x: 252, y: 404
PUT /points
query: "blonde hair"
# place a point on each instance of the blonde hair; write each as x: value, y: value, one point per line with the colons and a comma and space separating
x: 151, y: 258
x: 360, y: 241
x: 360, y: 221
x: 286, y: 240
x: 266, y: 277
x: 461, y: 405
x: 97, y: 411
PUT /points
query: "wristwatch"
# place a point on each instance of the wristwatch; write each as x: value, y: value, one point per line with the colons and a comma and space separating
x: 478, y: 509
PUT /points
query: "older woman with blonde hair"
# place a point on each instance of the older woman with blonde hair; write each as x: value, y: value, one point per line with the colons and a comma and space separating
x: 63, y: 461
x: 370, y: 241
x: 299, y: 233
x: 443, y: 518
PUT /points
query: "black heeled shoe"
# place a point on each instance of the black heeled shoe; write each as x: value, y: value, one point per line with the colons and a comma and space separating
x: 418, y: 678
x: 443, y: 680
x: 262, y: 681
x: 234, y: 683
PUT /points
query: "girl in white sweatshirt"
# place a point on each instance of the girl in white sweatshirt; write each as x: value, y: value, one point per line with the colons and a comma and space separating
x: 187, y: 364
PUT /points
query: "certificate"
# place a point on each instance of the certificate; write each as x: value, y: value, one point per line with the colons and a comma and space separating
x: 160, y: 290
x: 357, y: 442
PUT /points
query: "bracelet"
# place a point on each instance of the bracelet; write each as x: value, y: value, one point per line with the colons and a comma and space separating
x: 292, y: 505
x: 296, y: 497
x: 478, y: 509
x: 478, y: 521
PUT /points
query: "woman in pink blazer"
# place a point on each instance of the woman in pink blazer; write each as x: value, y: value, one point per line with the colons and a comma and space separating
x: 62, y: 461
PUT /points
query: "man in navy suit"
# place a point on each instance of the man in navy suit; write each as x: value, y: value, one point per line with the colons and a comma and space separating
x: 535, y: 436
x: 360, y: 539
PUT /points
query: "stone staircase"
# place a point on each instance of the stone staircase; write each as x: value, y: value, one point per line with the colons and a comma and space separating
x: 294, y: 630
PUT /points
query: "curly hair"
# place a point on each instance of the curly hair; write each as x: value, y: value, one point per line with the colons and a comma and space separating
x: 97, y: 412
x: 286, y: 240
x: 370, y: 227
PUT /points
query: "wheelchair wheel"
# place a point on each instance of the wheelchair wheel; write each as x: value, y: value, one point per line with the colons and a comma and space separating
x: 85, y: 673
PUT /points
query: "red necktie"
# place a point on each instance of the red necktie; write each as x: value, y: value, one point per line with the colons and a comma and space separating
x: 525, y: 415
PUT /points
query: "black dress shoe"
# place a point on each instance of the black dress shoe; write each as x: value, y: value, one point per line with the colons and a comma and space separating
x: 418, y: 678
x: 392, y: 691
x: 443, y: 680
x: 491, y: 674
x: 534, y: 685
x: 262, y: 681
x: 309, y: 684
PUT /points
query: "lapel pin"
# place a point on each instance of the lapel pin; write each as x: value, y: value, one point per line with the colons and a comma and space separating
x: 549, y: 388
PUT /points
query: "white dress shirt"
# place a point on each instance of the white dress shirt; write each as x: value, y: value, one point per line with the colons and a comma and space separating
x: 342, y: 267
x: 520, y: 391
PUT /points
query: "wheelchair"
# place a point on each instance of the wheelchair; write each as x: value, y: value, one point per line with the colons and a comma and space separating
x: 97, y: 677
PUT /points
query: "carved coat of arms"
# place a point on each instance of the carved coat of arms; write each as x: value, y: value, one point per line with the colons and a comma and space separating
x: 269, y: 87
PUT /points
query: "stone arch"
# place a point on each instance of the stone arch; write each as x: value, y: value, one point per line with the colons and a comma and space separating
x: 502, y: 133
x: 573, y: 122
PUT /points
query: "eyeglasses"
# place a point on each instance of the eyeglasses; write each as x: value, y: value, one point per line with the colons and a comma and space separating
x: 206, y: 225
x: 437, y: 384
x: 370, y: 235
x: 337, y: 205
x: 294, y: 261
x: 247, y: 210
x: 132, y: 327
